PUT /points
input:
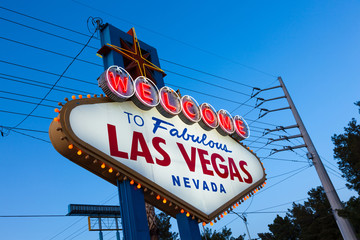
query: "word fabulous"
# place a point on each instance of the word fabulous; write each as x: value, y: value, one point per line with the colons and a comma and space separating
x: 117, y: 84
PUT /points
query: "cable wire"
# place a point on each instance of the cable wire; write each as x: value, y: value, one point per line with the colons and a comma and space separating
x: 48, y: 51
x: 50, y: 73
x: 42, y: 31
x: 24, y: 114
x: 177, y: 40
x: 56, y: 81
x: 24, y: 101
x: 303, y: 169
x: 28, y: 135
x: 206, y: 73
x: 43, y: 21
x: 206, y: 82
x: 47, y: 85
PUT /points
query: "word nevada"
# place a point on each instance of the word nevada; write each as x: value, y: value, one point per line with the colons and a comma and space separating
x: 118, y: 85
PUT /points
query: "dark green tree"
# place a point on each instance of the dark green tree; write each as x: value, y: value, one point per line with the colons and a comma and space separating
x: 266, y: 236
x: 281, y: 229
x: 312, y: 220
x: 351, y: 212
x: 164, y: 225
x: 347, y: 152
x: 225, y: 234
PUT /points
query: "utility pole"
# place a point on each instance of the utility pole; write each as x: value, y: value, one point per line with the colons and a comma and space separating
x: 245, y: 222
x: 344, y: 225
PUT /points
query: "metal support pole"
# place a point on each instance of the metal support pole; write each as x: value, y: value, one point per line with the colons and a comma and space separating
x: 247, y: 229
x: 132, y: 203
x: 245, y: 222
x: 132, y: 210
x: 281, y: 138
x: 344, y: 225
x: 101, y: 237
x: 117, y: 229
x: 188, y: 227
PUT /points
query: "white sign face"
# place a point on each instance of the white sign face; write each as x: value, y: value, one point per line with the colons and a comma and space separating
x: 203, y: 168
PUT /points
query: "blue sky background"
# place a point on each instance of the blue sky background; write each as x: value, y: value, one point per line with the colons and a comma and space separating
x: 312, y: 45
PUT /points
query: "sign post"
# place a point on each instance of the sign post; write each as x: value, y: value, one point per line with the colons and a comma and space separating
x: 133, y: 213
x: 188, y: 228
x: 132, y: 201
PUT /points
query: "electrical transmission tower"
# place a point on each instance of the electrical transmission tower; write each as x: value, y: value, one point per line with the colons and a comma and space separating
x: 344, y: 225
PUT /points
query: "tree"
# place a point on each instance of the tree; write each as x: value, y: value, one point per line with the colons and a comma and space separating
x: 314, y: 219
x: 281, y: 229
x: 351, y: 212
x: 347, y: 152
x: 309, y: 221
x: 164, y: 225
x: 225, y: 234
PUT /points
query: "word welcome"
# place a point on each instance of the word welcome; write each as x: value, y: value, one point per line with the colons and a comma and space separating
x: 117, y: 83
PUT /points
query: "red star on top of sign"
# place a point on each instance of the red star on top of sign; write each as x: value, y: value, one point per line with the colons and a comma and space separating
x: 136, y: 63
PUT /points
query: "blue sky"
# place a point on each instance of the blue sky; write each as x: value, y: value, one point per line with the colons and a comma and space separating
x: 312, y: 45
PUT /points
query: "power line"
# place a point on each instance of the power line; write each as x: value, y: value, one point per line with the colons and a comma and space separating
x: 266, y: 212
x: 42, y: 31
x: 24, y: 101
x: 279, y: 205
x: 80, y: 80
x: 206, y: 73
x: 47, y: 85
x: 70, y: 40
x: 206, y: 82
x: 251, y: 97
x: 62, y: 231
x: 28, y: 96
x: 286, y: 173
x: 205, y: 94
x: 28, y: 129
x: 56, y: 81
x: 50, y: 73
x: 49, y: 51
x: 261, y: 122
x: 285, y: 160
x: 28, y: 135
x: 335, y: 175
x: 24, y: 114
x: 67, y: 228
x: 101, y: 65
x: 40, y: 20
x: 177, y: 40
x: 71, y: 235
x: 31, y: 216
x: 263, y: 147
x: 284, y: 179
x: 94, y: 84
x: 336, y: 172
x: 329, y: 162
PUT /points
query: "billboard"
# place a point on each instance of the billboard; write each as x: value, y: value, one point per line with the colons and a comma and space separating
x: 186, y: 157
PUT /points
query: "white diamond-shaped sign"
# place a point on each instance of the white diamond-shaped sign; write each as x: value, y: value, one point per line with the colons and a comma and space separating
x: 200, y: 171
